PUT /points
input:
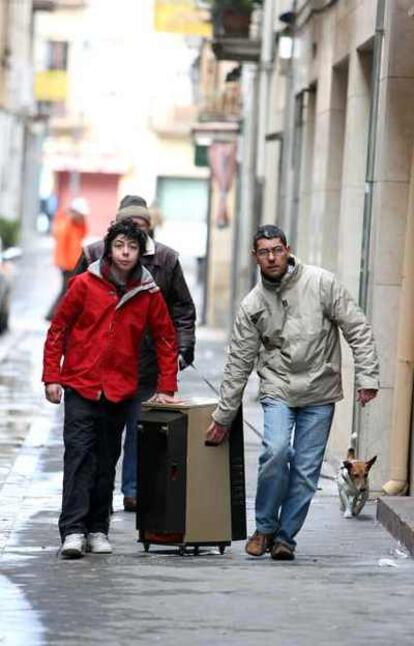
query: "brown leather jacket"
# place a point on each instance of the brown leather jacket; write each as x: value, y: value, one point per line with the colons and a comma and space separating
x: 167, y: 272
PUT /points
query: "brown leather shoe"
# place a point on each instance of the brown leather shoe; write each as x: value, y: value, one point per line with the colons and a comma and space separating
x: 130, y: 503
x: 259, y: 544
x: 281, y: 552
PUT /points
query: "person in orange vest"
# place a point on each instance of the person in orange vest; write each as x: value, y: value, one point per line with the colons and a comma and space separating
x: 69, y: 229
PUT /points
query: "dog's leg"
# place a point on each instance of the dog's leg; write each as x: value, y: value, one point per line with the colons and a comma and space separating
x: 344, y: 503
x: 359, y: 503
x: 341, y: 500
x: 348, y: 513
x: 348, y: 500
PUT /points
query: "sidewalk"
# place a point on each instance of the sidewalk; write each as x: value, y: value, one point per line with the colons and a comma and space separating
x: 397, y: 516
x: 338, y: 591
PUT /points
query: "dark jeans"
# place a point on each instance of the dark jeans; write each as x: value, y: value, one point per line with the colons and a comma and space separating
x: 92, y: 435
x: 66, y: 276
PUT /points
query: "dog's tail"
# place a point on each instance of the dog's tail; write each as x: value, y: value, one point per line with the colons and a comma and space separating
x: 351, y: 454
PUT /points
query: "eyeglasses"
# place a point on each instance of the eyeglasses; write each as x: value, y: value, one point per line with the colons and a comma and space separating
x: 275, y: 251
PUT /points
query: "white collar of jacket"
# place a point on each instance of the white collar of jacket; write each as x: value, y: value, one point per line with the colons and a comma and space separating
x: 292, y: 273
x: 147, y: 283
x: 149, y: 247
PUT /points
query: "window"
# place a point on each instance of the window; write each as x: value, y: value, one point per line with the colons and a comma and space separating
x: 56, y: 55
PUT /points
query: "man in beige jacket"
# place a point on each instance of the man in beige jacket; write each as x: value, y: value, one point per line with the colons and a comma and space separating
x: 289, y: 323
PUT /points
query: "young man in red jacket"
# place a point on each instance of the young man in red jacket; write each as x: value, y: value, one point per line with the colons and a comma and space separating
x: 97, y: 329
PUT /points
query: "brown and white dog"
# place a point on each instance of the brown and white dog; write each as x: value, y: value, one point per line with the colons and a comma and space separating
x: 353, y: 484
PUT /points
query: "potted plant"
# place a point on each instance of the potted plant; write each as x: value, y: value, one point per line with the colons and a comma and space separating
x: 233, y: 16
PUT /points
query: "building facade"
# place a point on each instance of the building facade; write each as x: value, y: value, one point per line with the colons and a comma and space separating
x: 118, y: 95
x: 16, y: 103
x: 334, y: 168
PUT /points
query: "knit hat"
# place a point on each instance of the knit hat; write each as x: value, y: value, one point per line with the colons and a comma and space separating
x: 130, y: 200
x: 80, y: 205
x: 134, y: 211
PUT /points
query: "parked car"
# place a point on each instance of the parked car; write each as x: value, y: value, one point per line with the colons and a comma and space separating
x: 5, y: 284
x: 4, y: 299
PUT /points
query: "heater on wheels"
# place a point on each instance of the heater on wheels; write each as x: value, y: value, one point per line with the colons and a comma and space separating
x: 190, y: 495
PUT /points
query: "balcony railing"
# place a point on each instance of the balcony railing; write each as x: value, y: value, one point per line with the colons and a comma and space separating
x: 52, y: 5
x: 172, y: 121
x: 222, y: 105
x: 44, y: 5
x: 236, y: 38
x: 71, y: 4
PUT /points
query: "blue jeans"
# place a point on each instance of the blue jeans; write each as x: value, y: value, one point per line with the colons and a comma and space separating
x: 129, y: 461
x: 294, y: 444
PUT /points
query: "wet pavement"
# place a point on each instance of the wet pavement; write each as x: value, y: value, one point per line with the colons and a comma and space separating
x: 350, y: 584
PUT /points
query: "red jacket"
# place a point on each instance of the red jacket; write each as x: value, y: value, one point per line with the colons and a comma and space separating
x: 99, y: 333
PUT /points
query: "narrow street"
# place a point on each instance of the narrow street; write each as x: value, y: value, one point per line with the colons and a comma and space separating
x: 350, y: 584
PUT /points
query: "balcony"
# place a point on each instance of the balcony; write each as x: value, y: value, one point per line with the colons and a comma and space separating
x: 66, y: 125
x: 224, y: 105
x: 44, y: 5
x: 236, y: 37
x: 71, y: 4
x: 172, y: 122
x: 242, y: 50
x: 53, y: 5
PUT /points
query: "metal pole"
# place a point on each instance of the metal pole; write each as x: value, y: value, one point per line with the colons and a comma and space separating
x: 245, y: 213
x: 265, y: 69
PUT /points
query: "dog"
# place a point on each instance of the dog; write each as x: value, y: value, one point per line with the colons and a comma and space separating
x: 353, y: 484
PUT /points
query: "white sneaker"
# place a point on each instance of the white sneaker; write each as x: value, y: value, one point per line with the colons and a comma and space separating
x: 98, y: 543
x: 74, y: 546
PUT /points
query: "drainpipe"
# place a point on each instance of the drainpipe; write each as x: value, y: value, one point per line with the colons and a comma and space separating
x: 245, y: 215
x: 265, y: 70
x: 283, y: 215
x: 404, y: 373
x: 297, y: 163
x: 370, y: 170
x: 369, y: 188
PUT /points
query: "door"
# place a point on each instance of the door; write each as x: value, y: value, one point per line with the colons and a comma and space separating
x: 184, y: 208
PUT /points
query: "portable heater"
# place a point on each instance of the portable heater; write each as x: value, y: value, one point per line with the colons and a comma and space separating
x: 190, y: 494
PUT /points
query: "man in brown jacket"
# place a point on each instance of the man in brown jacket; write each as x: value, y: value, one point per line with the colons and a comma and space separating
x: 290, y: 324
x: 165, y: 268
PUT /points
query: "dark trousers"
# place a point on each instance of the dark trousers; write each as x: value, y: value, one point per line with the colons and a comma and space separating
x: 92, y: 435
x: 66, y: 276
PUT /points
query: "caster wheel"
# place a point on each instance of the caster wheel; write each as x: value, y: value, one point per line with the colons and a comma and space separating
x: 222, y: 549
x: 181, y: 550
x: 146, y: 547
x: 196, y: 550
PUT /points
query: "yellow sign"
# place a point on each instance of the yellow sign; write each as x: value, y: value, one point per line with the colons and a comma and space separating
x: 182, y: 17
x: 51, y: 85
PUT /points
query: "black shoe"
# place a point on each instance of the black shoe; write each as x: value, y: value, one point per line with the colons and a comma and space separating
x: 282, y: 552
x: 130, y: 503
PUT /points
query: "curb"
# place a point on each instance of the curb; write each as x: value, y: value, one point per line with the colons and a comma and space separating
x: 14, y: 489
x: 396, y: 514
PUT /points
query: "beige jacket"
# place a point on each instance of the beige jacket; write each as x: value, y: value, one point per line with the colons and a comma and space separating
x: 292, y: 330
